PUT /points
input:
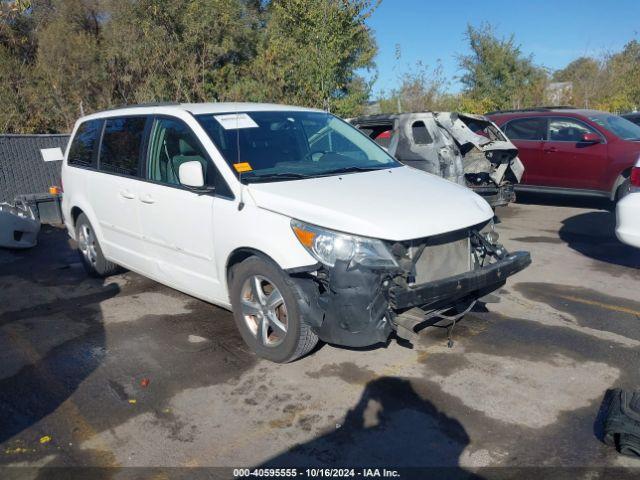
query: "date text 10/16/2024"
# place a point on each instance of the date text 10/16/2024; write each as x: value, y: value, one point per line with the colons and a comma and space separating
x: 315, y: 473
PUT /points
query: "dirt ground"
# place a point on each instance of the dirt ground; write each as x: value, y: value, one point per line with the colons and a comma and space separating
x: 521, y: 387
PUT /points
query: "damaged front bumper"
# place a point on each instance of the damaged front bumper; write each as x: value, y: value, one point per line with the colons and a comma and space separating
x: 496, y: 196
x: 477, y: 283
x: 356, y: 306
x: 19, y: 227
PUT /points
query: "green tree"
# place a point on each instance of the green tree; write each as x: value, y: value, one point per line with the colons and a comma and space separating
x: 310, y: 55
x: 62, y: 58
x: 497, y: 73
x: 421, y: 89
x: 587, y: 78
x: 621, y: 88
x: 69, y: 75
x: 178, y: 51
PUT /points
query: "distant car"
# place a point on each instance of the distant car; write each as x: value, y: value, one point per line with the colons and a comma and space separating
x: 572, y: 151
x: 628, y: 211
x: 466, y: 149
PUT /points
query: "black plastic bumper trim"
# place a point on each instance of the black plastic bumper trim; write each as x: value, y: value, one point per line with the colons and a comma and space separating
x: 459, y: 286
x: 305, y: 269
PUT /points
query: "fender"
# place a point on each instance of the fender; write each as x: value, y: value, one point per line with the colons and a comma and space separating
x: 255, y: 230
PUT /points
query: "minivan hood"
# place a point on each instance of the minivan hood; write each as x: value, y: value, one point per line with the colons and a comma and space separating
x: 396, y: 204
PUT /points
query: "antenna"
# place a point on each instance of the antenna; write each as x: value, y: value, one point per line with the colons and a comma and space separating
x: 241, y: 203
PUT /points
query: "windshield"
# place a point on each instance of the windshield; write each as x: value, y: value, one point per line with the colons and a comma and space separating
x: 281, y: 145
x: 620, y: 127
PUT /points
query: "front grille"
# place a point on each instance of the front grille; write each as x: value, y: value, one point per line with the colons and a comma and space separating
x: 445, y: 259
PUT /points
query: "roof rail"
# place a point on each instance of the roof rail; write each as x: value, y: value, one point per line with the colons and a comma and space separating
x: 141, y: 105
x: 533, y: 109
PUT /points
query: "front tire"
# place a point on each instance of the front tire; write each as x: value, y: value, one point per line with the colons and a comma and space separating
x: 267, y: 313
x: 91, y: 254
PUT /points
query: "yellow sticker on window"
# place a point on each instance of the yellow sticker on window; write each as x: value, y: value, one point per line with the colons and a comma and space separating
x: 242, y: 167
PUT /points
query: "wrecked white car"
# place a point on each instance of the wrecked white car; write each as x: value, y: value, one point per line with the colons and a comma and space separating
x: 302, y: 226
x: 19, y: 226
x: 466, y: 149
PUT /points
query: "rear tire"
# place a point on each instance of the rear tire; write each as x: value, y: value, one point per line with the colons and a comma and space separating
x: 266, y: 309
x: 90, y: 252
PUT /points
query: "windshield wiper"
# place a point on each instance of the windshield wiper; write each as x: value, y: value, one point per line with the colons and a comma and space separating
x: 352, y: 170
x: 274, y: 177
x: 269, y: 177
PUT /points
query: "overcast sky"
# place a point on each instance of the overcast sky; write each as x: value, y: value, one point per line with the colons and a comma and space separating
x: 555, y: 32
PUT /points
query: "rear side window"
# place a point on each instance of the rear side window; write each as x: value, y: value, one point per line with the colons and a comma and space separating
x: 384, y: 138
x: 121, y: 143
x: 526, y: 129
x: 82, y: 149
x: 420, y: 133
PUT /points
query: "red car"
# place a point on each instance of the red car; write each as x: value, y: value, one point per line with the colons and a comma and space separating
x: 572, y: 151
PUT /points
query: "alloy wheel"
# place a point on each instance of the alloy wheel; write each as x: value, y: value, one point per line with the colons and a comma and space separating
x: 264, y: 310
x: 87, y: 244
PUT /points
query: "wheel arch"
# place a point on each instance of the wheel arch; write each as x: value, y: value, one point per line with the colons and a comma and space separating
x: 241, y: 254
x: 79, y: 208
x: 622, y: 177
x: 75, y: 213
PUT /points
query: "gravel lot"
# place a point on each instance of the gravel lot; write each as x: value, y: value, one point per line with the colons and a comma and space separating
x: 522, y: 385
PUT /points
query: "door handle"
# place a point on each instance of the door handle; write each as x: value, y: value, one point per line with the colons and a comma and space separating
x: 147, y: 199
x: 127, y: 194
x: 550, y: 149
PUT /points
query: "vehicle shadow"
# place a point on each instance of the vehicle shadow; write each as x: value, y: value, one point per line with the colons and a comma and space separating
x: 593, y: 235
x: 48, y: 344
x: 558, y: 200
x: 391, y: 426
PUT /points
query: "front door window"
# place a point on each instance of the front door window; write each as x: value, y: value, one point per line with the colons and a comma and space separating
x: 173, y: 143
x: 567, y: 130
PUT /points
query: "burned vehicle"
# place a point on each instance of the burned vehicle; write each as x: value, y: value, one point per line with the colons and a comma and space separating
x: 466, y: 149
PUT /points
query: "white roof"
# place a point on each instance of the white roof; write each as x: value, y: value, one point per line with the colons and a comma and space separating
x: 196, y: 109
x: 222, y: 107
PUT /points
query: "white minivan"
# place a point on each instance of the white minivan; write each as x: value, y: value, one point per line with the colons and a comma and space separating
x: 299, y: 223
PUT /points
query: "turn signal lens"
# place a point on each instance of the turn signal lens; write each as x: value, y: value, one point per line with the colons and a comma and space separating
x: 305, y: 236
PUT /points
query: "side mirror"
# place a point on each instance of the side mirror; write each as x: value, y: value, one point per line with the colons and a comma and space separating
x: 191, y: 174
x: 591, y: 138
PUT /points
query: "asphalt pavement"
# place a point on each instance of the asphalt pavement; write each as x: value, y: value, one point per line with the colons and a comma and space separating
x: 126, y: 372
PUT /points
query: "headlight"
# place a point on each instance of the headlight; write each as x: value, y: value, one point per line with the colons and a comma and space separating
x: 489, y: 232
x: 328, y: 247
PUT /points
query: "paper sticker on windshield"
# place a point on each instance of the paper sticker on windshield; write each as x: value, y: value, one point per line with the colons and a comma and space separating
x: 242, y: 167
x: 233, y: 121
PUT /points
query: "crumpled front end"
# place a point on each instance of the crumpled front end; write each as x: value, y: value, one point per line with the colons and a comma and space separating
x: 466, y: 149
x: 416, y: 140
x: 490, y: 161
x: 357, y: 306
